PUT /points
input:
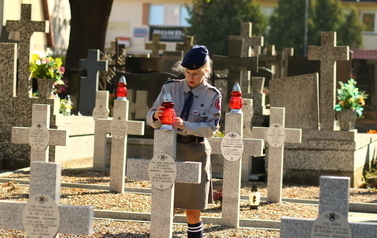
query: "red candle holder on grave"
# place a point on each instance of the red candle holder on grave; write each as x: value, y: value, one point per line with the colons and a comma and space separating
x: 121, y: 91
x: 169, y: 114
x: 236, y: 101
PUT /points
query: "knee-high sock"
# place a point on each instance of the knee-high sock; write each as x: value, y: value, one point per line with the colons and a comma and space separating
x: 195, y: 230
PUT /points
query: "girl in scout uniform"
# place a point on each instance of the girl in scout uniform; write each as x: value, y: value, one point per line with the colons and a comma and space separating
x: 197, y: 106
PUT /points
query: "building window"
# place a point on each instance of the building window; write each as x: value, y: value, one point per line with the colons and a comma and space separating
x: 369, y: 20
x: 168, y: 15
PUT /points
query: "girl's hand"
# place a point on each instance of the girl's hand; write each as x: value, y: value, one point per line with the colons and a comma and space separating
x: 178, y: 123
x: 158, y: 113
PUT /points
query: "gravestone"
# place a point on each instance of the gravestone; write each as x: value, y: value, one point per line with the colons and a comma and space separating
x: 89, y: 84
x: 259, y: 101
x: 271, y: 60
x: 155, y: 46
x: 163, y: 172
x: 45, y: 184
x: 276, y: 135
x: 119, y: 127
x: 188, y: 42
x: 169, y: 59
x: 252, y: 44
x: 26, y: 27
x: 299, y: 96
x: 234, y: 148
x: 328, y: 54
x: 39, y: 136
x: 285, y: 55
x: 332, y: 218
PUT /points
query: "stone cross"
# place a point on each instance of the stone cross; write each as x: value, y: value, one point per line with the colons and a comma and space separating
x: 235, y: 64
x: 119, y: 127
x: 100, y: 111
x: 39, y: 136
x: 333, y: 212
x: 188, y: 42
x: 8, y: 77
x: 155, y: 46
x: 276, y: 135
x: 259, y: 100
x: 249, y: 41
x: 45, y: 179
x: 232, y: 168
x: 138, y: 107
x: 89, y: 84
x: 26, y: 27
x: 162, y: 207
x: 328, y: 53
x: 271, y: 60
x: 285, y: 54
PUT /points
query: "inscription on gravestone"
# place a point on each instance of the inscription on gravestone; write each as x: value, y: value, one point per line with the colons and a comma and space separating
x: 162, y: 171
x: 232, y: 146
x: 38, y: 137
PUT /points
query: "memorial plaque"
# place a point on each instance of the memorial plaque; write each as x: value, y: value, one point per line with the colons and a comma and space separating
x: 100, y: 112
x: 275, y: 135
x: 118, y: 128
x: 331, y: 224
x: 38, y: 137
x: 162, y: 171
x: 232, y: 146
x: 41, y: 217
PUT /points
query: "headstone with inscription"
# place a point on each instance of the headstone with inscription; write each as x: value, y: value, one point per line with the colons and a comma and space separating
x: 119, y: 126
x: 42, y: 216
x: 276, y: 136
x: 332, y: 220
x: 163, y: 171
x: 234, y: 148
x: 89, y: 84
x: 39, y: 136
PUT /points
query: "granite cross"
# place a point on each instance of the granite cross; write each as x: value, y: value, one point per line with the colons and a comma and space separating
x: 89, y: 84
x: 45, y: 180
x: 235, y: 147
x: 186, y: 45
x: 119, y: 127
x: 163, y: 190
x: 285, y: 54
x: 39, y: 136
x: 328, y: 53
x: 332, y: 218
x: 249, y: 41
x: 155, y: 46
x: 276, y: 135
x: 8, y: 73
x: 26, y: 27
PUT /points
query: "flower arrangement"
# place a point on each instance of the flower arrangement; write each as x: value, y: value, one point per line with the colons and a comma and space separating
x: 350, y: 97
x: 218, y: 196
x: 65, y: 106
x: 47, y: 68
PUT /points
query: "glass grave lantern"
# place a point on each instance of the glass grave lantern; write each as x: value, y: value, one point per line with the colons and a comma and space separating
x: 121, y: 91
x: 169, y: 114
x: 236, y: 101
x: 254, y: 198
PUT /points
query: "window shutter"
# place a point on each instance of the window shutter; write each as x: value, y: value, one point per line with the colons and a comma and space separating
x: 145, y: 16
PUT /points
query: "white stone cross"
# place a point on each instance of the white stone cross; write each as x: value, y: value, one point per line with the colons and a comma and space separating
x: 276, y: 135
x: 232, y: 168
x: 162, y: 207
x: 89, y: 84
x: 119, y: 126
x: 328, y: 53
x: 155, y: 46
x: 45, y: 179
x: 39, y: 136
x: 332, y: 217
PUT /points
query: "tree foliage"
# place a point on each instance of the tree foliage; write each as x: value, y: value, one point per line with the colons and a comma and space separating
x: 350, y: 32
x: 212, y: 21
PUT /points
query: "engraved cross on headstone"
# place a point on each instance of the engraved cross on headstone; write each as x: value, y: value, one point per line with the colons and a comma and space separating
x: 39, y: 136
x: 332, y: 219
x: 328, y: 53
x: 276, y: 135
x: 45, y: 179
x: 232, y: 166
x: 119, y: 127
x: 26, y: 27
x: 89, y: 84
x: 155, y: 46
x: 163, y: 199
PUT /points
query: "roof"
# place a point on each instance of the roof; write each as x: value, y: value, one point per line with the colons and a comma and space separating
x: 364, y: 54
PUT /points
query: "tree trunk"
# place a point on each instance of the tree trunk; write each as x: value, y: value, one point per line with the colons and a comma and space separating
x: 89, y: 19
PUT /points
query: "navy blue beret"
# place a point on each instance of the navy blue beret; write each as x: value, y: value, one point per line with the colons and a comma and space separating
x: 195, y: 58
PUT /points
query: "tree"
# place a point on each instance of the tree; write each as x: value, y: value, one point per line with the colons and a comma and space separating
x: 212, y: 21
x: 287, y: 25
x: 89, y: 19
x: 351, y: 31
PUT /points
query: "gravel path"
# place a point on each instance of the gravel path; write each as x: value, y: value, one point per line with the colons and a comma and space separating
x: 136, y: 202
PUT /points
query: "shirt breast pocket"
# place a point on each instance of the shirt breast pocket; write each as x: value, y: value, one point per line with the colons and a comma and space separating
x: 200, y: 115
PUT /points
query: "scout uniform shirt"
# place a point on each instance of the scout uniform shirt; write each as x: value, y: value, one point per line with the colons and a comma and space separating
x: 204, y: 114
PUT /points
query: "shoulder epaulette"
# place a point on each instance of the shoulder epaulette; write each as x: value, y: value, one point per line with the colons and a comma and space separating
x: 174, y: 80
x: 215, y: 89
